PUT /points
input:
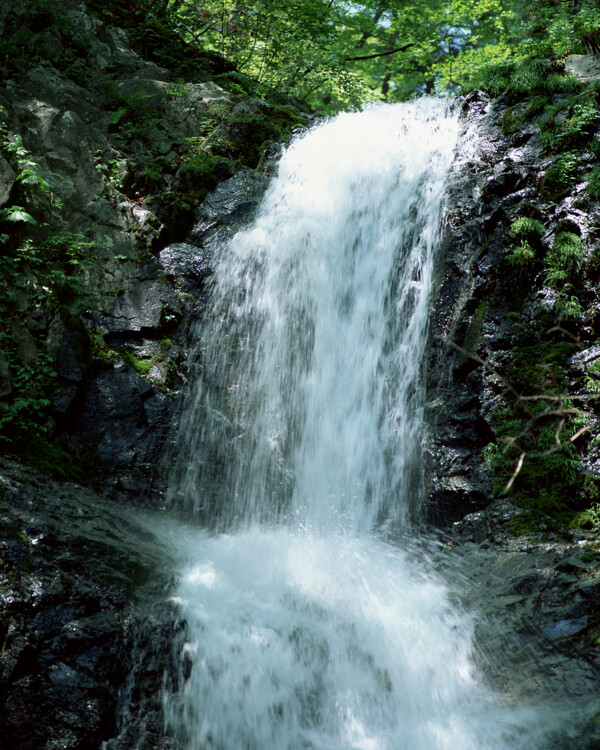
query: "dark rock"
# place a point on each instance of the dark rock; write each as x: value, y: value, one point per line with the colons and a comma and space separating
x: 5, y: 381
x: 65, y: 348
x: 71, y: 632
x: 232, y: 205
x: 26, y: 349
x: 183, y: 261
x: 111, y: 420
x: 148, y: 304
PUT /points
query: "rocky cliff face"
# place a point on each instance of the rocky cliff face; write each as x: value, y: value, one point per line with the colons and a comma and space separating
x: 513, y: 454
x: 515, y: 324
x: 105, y: 160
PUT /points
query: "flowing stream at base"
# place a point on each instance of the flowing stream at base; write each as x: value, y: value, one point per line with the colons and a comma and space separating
x: 313, y: 620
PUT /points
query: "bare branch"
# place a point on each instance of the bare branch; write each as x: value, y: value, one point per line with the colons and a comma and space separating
x: 381, y: 54
x: 515, y: 474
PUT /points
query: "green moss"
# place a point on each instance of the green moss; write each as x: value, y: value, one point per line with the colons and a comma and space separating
x: 539, y: 515
x: 139, y: 364
x: 171, y: 375
x: 49, y: 457
x: 541, y: 367
x: 593, y: 185
x: 511, y: 122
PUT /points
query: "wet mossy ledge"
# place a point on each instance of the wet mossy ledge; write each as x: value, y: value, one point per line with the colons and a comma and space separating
x: 109, y: 144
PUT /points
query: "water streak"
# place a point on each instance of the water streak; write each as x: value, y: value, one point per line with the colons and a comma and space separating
x: 301, y: 450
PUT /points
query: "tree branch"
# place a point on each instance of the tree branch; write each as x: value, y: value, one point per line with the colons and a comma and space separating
x: 381, y: 54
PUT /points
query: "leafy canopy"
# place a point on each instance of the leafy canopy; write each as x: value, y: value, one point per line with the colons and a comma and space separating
x: 335, y: 54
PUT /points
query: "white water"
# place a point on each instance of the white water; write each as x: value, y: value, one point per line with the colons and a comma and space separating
x: 308, y: 628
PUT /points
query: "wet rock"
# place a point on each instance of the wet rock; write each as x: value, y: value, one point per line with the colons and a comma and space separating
x: 184, y: 263
x: 232, y: 205
x: 564, y: 628
x: 535, y: 628
x: 147, y: 305
x: 71, y: 631
x: 112, y: 420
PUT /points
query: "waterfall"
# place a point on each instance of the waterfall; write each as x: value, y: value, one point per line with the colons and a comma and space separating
x: 309, y: 406
x: 313, y: 622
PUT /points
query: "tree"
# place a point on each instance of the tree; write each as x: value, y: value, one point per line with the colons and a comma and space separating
x: 337, y: 54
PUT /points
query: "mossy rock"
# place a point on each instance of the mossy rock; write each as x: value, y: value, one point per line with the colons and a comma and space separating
x: 49, y: 456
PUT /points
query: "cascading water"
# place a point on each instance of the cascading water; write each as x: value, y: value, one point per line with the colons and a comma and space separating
x: 310, y: 625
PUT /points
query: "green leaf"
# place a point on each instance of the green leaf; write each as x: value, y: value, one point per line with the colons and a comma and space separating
x: 16, y: 213
x: 117, y: 116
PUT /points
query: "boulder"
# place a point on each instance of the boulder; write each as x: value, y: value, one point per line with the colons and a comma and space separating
x: 585, y: 67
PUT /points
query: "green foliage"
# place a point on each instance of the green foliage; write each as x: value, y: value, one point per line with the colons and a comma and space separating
x: 518, y: 77
x: 522, y: 254
x: 526, y: 228
x: 15, y: 214
x: 534, y: 457
x: 239, y: 134
x: 37, y: 270
x: 137, y: 131
x: 593, y: 184
x: 568, y: 307
x: 560, y: 176
x: 569, y: 124
x: 339, y: 55
x: 592, y: 378
x: 594, y: 514
x: 33, y: 385
x: 547, y: 484
x: 528, y: 232
x: 113, y: 172
x: 564, y: 260
x: 46, y: 455
x: 42, y: 273
x: 200, y: 165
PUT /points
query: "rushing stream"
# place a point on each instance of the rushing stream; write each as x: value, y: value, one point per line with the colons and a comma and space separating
x: 313, y: 620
